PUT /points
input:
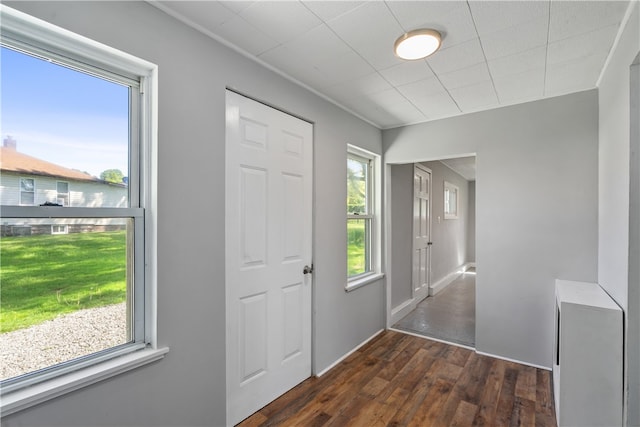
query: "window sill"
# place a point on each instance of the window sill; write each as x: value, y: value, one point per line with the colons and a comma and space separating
x: 29, y: 396
x: 352, y: 285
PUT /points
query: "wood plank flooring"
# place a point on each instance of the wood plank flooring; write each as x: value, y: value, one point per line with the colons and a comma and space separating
x: 402, y: 380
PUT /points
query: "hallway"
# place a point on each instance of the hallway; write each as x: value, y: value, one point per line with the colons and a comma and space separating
x: 449, y: 316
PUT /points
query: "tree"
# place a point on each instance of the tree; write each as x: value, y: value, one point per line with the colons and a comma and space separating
x: 112, y: 175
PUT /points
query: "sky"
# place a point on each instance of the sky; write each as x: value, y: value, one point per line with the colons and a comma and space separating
x: 63, y: 116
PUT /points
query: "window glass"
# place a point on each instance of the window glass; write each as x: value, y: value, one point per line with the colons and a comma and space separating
x: 59, y: 123
x: 63, y: 193
x: 27, y: 191
x: 64, y: 296
x: 359, y: 216
x: 68, y: 288
x: 358, y: 246
x: 357, y: 178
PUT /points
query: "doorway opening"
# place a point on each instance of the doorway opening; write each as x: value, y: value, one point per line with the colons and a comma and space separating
x: 432, y: 249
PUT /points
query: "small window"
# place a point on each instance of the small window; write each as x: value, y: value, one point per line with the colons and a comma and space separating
x: 359, y: 215
x: 27, y: 191
x: 59, y: 229
x: 450, y: 201
x: 63, y: 193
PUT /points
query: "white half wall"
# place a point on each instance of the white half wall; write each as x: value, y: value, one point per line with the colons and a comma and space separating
x: 618, y: 213
x: 536, y: 210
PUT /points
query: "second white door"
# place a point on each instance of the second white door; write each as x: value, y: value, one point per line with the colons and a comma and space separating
x: 421, y: 230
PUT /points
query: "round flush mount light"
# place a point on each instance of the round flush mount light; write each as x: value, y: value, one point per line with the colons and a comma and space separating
x: 417, y: 44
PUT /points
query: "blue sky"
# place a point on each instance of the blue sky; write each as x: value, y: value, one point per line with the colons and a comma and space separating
x: 63, y: 116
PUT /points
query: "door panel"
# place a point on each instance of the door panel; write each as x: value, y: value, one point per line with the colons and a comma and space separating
x: 268, y: 243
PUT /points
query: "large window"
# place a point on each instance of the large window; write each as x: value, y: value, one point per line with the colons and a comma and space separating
x: 77, y: 282
x: 363, y: 212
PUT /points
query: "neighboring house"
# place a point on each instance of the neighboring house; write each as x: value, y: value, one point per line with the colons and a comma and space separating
x: 29, y: 181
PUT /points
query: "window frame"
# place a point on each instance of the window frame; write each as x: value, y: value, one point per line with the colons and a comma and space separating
x: 33, y: 192
x: 24, y: 32
x: 373, y: 215
x: 65, y: 229
x: 368, y: 216
x: 58, y: 193
x: 454, y: 191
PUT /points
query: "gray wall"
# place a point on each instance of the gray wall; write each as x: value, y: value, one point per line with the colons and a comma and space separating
x: 187, y: 388
x: 536, y: 210
x: 471, y: 223
x: 616, y: 256
x: 401, y: 199
x: 449, y: 236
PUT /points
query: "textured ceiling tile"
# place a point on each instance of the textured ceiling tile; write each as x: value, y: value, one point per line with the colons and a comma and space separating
x: 282, y: 59
x: 475, y: 97
x: 521, y: 87
x: 208, y: 15
x: 327, y: 10
x: 367, y: 25
x: 388, y: 118
x: 595, y: 43
x: 421, y: 88
x: 515, y: 39
x: 281, y: 21
x: 570, y: 18
x: 317, y: 45
x: 240, y: 33
x: 361, y: 86
x: 492, y: 16
x: 407, y: 72
x: 386, y: 97
x: 465, y: 77
x: 371, y: 30
x: 436, y: 105
x: 573, y: 76
x: 451, y: 18
x: 345, y: 67
x: 518, y: 63
x: 237, y: 6
x: 405, y: 111
x: 356, y: 89
x: 457, y: 57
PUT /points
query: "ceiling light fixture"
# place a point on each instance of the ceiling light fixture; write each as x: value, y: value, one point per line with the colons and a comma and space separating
x: 417, y: 44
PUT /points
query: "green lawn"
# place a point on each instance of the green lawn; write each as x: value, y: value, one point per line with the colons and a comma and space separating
x: 42, y: 277
x: 355, y: 247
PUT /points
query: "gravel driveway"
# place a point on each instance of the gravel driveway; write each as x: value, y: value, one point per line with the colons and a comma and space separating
x: 61, y: 339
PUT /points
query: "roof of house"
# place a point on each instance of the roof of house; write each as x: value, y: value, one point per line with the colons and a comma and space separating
x: 12, y: 160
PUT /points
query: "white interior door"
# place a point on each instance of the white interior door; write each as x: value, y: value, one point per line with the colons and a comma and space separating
x: 268, y: 244
x: 421, y: 230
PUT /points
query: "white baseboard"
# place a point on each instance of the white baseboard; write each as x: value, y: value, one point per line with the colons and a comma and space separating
x: 402, y: 310
x: 333, y: 365
x: 406, y: 307
x: 441, y: 284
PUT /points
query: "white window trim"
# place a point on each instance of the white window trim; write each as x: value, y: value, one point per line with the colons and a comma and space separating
x: 375, y: 182
x: 456, y: 191
x: 66, y: 229
x: 33, y: 31
x: 59, y: 193
x: 21, y: 191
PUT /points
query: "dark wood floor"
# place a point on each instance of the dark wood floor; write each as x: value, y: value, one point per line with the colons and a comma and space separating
x: 402, y: 380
